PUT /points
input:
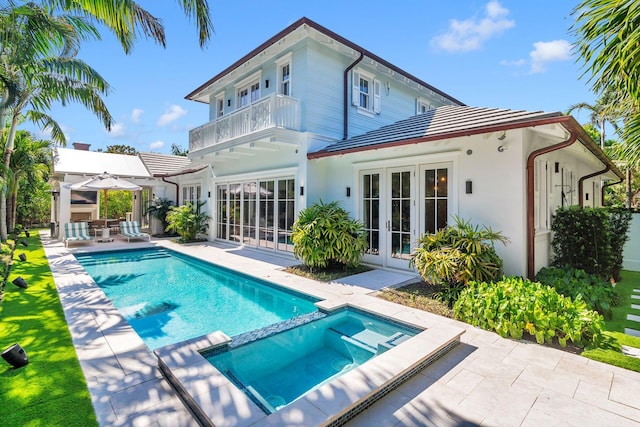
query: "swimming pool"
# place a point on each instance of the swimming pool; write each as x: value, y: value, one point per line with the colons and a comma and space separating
x: 168, y: 297
x: 277, y: 370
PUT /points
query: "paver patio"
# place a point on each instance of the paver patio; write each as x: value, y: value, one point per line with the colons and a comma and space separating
x: 486, y: 380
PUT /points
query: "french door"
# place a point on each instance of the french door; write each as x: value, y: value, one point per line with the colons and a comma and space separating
x: 398, y: 206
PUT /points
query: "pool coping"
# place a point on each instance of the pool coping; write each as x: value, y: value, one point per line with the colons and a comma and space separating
x: 215, y: 401
x: 123, y: 375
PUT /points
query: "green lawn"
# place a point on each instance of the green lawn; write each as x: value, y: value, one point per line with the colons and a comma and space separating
x: 615, y: 327
x: 50, y: 390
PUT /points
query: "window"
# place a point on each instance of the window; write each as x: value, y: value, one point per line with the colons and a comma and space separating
x: 422, y: 106
x: 284, y: 75
x: 248, y: 90
x: 191, y: 194
x: 435, y: 199
x: 366, y: 92
x: 220, y: 105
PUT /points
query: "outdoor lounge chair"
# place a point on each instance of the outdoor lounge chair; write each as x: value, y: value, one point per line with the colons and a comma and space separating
x: 131, y: 230
x: 76, y: 232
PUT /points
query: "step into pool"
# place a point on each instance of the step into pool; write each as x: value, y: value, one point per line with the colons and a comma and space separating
x: 277, y: 370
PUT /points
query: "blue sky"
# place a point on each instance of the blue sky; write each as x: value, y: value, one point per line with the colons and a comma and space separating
x: 507, y: 54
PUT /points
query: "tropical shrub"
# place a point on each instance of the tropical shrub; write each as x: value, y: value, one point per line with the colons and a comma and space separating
x: 159, y: 209
x: 514, y: 305
x: 187, y: 220
x: 325, y: 235
x: 598, y: 294
x: 459, y: 253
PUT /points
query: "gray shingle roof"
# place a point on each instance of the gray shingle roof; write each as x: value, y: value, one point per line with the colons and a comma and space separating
x: 443, y: 122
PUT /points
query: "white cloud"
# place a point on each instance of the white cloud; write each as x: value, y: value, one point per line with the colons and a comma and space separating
x: 117, y: 130
x: 545, y: 52
x: 135, y: 115
x: 172, y: 114
x: 470, y: 34
x: 513, y: 63
x: 156, y: 145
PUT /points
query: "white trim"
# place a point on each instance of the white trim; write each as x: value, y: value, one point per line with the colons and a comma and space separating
x: 220, y: 97
x: 444, y: 156
x: 271, y: 173
x: 280, y: 63
x: 248, y: 80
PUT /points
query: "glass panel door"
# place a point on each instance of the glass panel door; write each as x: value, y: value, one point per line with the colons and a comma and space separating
x: 266, y: 215
x: 249, y: 213
x: 221, y: 212
x: 371, y: 212
x: 286, y: 213
x: 400, y: 218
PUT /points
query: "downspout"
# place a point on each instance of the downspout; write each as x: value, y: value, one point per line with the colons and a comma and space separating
x: 177, y: 189
x: 531, y: 233
x: 345, y: 82
x: 581, y: 180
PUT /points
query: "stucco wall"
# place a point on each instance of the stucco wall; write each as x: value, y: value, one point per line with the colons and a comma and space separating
x: 631, y: 254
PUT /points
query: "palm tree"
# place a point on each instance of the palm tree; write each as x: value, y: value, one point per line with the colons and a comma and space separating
x: 42, y: 70
x: 605, y: 110
x: 31, y: 158
x: 126, y: 18
x: 607, y: 32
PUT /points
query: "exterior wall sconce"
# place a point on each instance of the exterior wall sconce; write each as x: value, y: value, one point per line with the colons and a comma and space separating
x: 348, y: 191
x: 266, y: 84
x: 469, y: 187
x: 302, y: 190
x: 228, y: 103
x: 556, y: 167
x: 209, y: 194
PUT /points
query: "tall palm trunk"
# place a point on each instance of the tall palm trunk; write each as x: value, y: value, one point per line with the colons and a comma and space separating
x: 4, y: 178
x: 12, y: 205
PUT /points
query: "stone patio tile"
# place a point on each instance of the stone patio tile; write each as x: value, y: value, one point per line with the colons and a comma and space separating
x: 547, y: 379
x: 626, y: 391
x: 300, y: 413
x: 141, y: 397
x: 498, y: 402
x: 635, y: 306
x: 490, y: 368
x: 555, y: 409
x: 578, y: 367
x: 526, y: 352
x: 635, y: 296
x: 598, y: 396
x: 633, y: 332
x: 97, y: 359
x: 465, y: 381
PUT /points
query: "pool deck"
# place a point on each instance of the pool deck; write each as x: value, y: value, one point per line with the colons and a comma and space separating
x: 486, y: 380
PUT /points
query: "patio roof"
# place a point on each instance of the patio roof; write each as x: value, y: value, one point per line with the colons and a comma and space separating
x: 83, y: 162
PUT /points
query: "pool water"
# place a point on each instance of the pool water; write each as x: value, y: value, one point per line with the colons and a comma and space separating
x: 277, y: 370
x: 168, y: 297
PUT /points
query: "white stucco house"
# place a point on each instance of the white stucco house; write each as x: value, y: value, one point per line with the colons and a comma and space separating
x: 309, y: 115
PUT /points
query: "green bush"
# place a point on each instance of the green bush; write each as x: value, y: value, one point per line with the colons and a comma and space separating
x: 513, y: 306
x: 187, y: 220
x: 324, y: 235
x: 459, y: 253
x: 598, y: 294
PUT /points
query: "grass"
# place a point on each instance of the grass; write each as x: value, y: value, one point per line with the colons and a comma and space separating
x: 616, y: 325
x: 51, y: 389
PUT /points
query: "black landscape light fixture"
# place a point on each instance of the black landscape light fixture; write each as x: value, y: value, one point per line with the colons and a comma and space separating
x: 26, y: 233
x: 23, y: 257
x: 20, y: 282
x: 15, y: 356
x: 24, y: 243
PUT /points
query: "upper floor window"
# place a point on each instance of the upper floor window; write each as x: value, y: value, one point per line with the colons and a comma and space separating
x: 220, y: 105
x: 365, y: 92
x: 422, y: 106
x: 248, y: 90
x: 284, y: 75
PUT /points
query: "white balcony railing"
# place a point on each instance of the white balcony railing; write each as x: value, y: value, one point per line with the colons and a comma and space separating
x: 271, y: 111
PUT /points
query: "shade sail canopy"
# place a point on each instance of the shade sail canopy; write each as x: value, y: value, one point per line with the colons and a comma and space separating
x: 105, y: 181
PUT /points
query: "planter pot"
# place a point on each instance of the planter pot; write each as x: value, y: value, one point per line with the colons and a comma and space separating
x: 15, y: 356
x: 20, y: 282
x: 23, y: 257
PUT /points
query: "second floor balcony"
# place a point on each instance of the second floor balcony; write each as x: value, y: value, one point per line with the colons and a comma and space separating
x: 269, y: 112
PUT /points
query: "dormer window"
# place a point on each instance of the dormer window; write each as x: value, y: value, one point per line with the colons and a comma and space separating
x: 365, y: 93
x: 422, y: 106
x: 284, y: 75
